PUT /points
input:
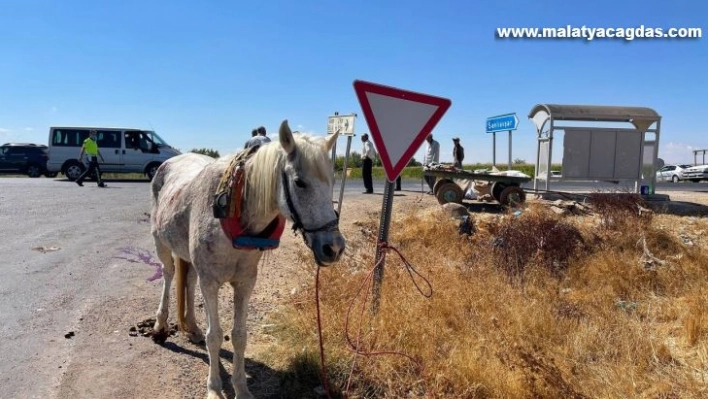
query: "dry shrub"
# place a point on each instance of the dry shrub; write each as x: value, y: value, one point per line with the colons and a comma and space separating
x: 621, y: 211
x: 608, y: 328
x: 538, y: 238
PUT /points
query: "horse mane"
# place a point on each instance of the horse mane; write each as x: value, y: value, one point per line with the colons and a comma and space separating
x: 264, y: 169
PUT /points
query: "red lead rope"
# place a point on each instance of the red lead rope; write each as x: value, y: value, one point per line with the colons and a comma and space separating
x: 355, y: 347
x: 323, y: 371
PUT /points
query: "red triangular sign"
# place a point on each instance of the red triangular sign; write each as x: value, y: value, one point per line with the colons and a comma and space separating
x: 399, y: 121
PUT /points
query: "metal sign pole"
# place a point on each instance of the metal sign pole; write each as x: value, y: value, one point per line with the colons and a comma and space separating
x: 334, y: 164
x: 509, y: 149
x: 422, y: 176
x: 344, y: 175
x: 494, y: 149
x: 383, y: 237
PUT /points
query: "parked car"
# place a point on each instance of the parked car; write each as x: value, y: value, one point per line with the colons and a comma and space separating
x: 672, y: 173
x: 556, y: 174
x: 24, y: 158
x: 696, y: 173
x: 124, y: 150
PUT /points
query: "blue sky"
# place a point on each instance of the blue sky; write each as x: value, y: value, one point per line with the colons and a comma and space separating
x: 203, y: 74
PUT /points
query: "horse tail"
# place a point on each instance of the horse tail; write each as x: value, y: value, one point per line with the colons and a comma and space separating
x: 181, y: 270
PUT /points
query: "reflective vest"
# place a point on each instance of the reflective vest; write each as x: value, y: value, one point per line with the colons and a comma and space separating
x: 91, y: 147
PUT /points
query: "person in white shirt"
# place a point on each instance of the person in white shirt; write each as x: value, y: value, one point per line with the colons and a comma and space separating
x: 432, y: 156
x: 368, y: 154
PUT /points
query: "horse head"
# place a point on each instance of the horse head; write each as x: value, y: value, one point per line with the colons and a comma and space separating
x: 306, y: 193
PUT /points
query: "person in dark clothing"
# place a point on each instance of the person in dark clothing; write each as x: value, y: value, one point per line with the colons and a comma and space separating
x: 90, y: 148
x: 398, y: 183
x: 368, y: 154
x: 458, y: 153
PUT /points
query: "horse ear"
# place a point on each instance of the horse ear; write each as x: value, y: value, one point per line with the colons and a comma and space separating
x: 286, y: 137
x: 331, y: 140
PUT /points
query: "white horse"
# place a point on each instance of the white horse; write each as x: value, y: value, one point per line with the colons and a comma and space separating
x: 292, y: 177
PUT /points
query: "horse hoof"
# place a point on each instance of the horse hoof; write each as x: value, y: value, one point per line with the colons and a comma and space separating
x: 243, y: 393
x: 215, y: 395
x: 159, y: 337
x: 196, y: 337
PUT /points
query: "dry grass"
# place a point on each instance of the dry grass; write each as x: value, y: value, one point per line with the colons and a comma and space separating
x: 534, y: 306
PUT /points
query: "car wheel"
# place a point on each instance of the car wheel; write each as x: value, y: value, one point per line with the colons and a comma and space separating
x: 151, y: 170
x: 439, y: 184
x: 73, y: 171
x: 512, y: 195
x: 34, y: 171
x: 675, y: 179
x: 496, y: 190
x: 449, y: 192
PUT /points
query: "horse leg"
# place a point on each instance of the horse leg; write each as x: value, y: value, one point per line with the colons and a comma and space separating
x: 242, y: 294
x: 195, y: 334
x: 214, y: 336
x: 168, y: 272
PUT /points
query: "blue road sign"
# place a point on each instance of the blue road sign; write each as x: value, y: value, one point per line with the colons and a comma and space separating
x: 502, y: 123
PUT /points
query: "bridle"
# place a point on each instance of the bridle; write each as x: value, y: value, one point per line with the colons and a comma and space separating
x: 297, y: 221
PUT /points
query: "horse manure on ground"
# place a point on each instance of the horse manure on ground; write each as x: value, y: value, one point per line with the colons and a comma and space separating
x: 146, y: 327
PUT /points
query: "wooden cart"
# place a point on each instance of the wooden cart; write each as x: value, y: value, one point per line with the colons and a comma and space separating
x: 504, y: 189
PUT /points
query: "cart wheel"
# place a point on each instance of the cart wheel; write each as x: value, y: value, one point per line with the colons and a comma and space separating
x: 512, y: 195
x: 439, y: 183
x: 449, y: 192
x: 496, y: 190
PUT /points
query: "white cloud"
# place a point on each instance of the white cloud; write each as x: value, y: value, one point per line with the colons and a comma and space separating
x: 299, y: 127
x: 676, y: 152
x: 28, y: 129
x: 5, y: 130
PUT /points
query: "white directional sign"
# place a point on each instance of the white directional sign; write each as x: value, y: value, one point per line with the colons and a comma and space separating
x: 399, y: 121
x: 343, y: 123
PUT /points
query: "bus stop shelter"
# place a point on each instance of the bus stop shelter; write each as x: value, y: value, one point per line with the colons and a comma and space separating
x: 695, y: 157
x: 596, y: 153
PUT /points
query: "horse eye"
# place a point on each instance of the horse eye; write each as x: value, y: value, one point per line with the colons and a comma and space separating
x: 300, y: 183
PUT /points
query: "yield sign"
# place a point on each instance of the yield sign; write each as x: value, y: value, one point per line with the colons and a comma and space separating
x: 399, y: 121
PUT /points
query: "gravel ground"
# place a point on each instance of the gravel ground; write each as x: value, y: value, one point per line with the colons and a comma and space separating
x: 69, y: 298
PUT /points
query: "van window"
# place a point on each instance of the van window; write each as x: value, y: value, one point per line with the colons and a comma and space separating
x: 157, y: 139
x: 108, y: 139
x: 137, y: 140
x: 76, y: 137
x: 69, y: 137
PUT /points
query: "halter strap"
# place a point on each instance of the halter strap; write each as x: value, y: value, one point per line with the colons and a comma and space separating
x: 297, y: 221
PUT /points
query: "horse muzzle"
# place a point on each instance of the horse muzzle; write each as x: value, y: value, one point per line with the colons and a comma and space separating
x: 327, y: 247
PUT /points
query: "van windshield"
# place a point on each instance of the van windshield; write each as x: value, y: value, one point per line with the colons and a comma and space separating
x: 157, y: 139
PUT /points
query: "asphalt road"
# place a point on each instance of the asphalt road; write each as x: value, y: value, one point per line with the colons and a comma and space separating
x: 59, y: 244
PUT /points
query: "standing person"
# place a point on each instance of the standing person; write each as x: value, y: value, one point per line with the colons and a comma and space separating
x: 90, y: 147
x: 259, y: 139
x: 458, y: 152
x: 368, y: 154
x: 398, y: 183
x: 432, y: 156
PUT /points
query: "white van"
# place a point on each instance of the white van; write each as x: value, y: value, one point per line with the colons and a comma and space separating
x: 124, y: 150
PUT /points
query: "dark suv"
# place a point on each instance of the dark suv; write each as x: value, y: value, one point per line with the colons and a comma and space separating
x: 24, y: 158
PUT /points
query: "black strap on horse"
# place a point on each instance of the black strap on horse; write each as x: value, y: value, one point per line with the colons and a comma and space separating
x: 297, y: 222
